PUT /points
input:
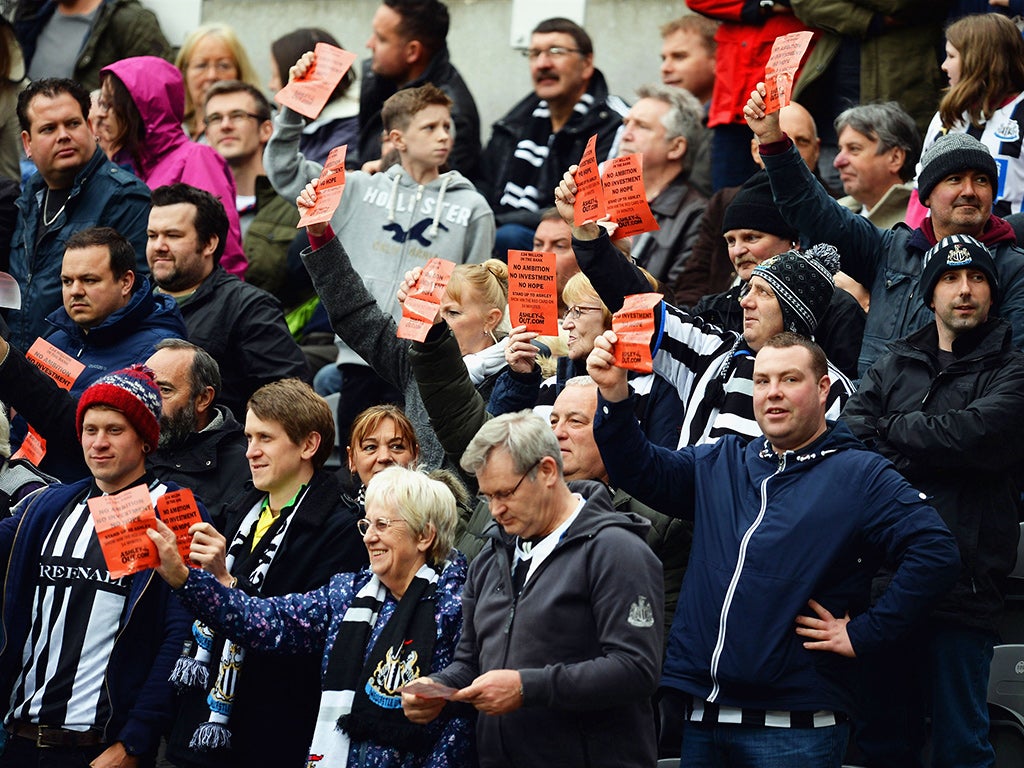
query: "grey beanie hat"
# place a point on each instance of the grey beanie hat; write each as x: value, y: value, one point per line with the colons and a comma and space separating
x: 803, y: 284
x: 953, y: 153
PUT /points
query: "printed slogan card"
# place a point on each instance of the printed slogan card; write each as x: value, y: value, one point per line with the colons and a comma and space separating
x: 634, y: 328
x: 533, y: 292
x: 617, y: 193
x: 780, y: 71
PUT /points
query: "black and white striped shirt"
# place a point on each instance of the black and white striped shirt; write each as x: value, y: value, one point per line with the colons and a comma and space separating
x: 76, y: 612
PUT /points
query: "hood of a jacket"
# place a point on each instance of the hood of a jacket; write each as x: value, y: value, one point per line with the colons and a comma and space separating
x: 158, y: 90
x: 145, y: 311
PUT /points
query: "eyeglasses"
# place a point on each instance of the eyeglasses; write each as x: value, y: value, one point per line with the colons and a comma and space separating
x: 503, y: 496
x: 554, y: 52
x: 380, y: 525
x: 232, y: 117
x: 574, y: 312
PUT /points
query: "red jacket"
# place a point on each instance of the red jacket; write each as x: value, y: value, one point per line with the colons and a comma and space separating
x: 744, y: 43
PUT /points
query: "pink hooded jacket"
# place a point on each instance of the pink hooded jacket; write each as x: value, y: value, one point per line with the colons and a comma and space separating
x: 167, y: 155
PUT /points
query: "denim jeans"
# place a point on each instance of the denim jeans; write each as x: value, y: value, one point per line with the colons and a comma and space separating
x: 749, y: 746
x: 941, y: 670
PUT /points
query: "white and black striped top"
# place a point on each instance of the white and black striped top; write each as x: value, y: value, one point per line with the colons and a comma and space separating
x: 708, y: 713
x: 76, y: 611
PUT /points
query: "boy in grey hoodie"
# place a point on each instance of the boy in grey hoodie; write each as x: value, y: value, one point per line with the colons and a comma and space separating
x: 393, y: 221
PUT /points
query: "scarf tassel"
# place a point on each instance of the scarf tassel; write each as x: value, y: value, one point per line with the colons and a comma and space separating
x: 190, y: 673
x: 210, y: 736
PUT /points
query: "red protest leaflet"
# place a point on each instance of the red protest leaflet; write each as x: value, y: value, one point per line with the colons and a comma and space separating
x: 625, y: 197
x: 589, y: 203
x: 634, y: 328
x: 33, y: 447
x: 780, y: 71
x: 422, y: 305
x: 309, y: 94
x: 328, y: 190
x: 179, y: 510
x: 121, y: 522
x: 533, y: 291
x: 59, y: 366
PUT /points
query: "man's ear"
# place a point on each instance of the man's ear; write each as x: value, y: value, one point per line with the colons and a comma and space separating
x: 309, y: 446
x: 25, y: 145
x: 127, y: 282
x: 677, y: 148
x: 211, y: 247
x: 896, y: 159
x: 204, y: 400
x: 413, y: 51
x: 266, y: 131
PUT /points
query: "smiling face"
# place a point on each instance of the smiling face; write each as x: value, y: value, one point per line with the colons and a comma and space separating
x: 90, y: 290
x: 396, y: 552
x: 59, y: 140
x: 762, y: 315
x: 572, y: 421
x: 581, y: 331
x: 961, y: 203
x: 114, y: 451
x: 559, y: 79
x: 379, y: 449
x: 278, y: 466
x: 687, y: 63
x: 962, y: 301
x: 789, y: 400
x: 749, y: 247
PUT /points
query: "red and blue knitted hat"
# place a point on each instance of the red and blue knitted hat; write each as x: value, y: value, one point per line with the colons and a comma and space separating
x: 133, y: 392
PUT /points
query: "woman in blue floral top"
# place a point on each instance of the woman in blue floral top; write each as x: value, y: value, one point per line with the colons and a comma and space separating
x: 377, y: 629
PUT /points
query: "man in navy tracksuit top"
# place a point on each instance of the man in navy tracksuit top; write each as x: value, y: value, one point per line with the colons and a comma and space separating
x: 86, y: 656
x: 789, y: 528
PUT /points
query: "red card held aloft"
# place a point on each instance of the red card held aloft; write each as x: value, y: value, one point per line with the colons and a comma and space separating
x: 634, y: 329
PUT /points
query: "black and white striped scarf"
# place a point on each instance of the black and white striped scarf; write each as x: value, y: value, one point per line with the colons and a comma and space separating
x: 528, y: 187
x: 361, y: 699
x: 192, y: 668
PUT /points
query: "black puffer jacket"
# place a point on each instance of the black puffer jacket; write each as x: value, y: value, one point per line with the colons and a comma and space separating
x: 958, y: 436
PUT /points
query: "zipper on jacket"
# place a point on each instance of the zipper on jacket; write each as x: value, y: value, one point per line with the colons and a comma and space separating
x: 723, y: 618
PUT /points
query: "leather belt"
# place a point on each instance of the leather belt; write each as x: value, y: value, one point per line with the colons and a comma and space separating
x: 50, y: 736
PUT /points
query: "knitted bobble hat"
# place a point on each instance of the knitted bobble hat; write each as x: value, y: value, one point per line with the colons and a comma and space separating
x: 803, y: 284
x: 133, y: 392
